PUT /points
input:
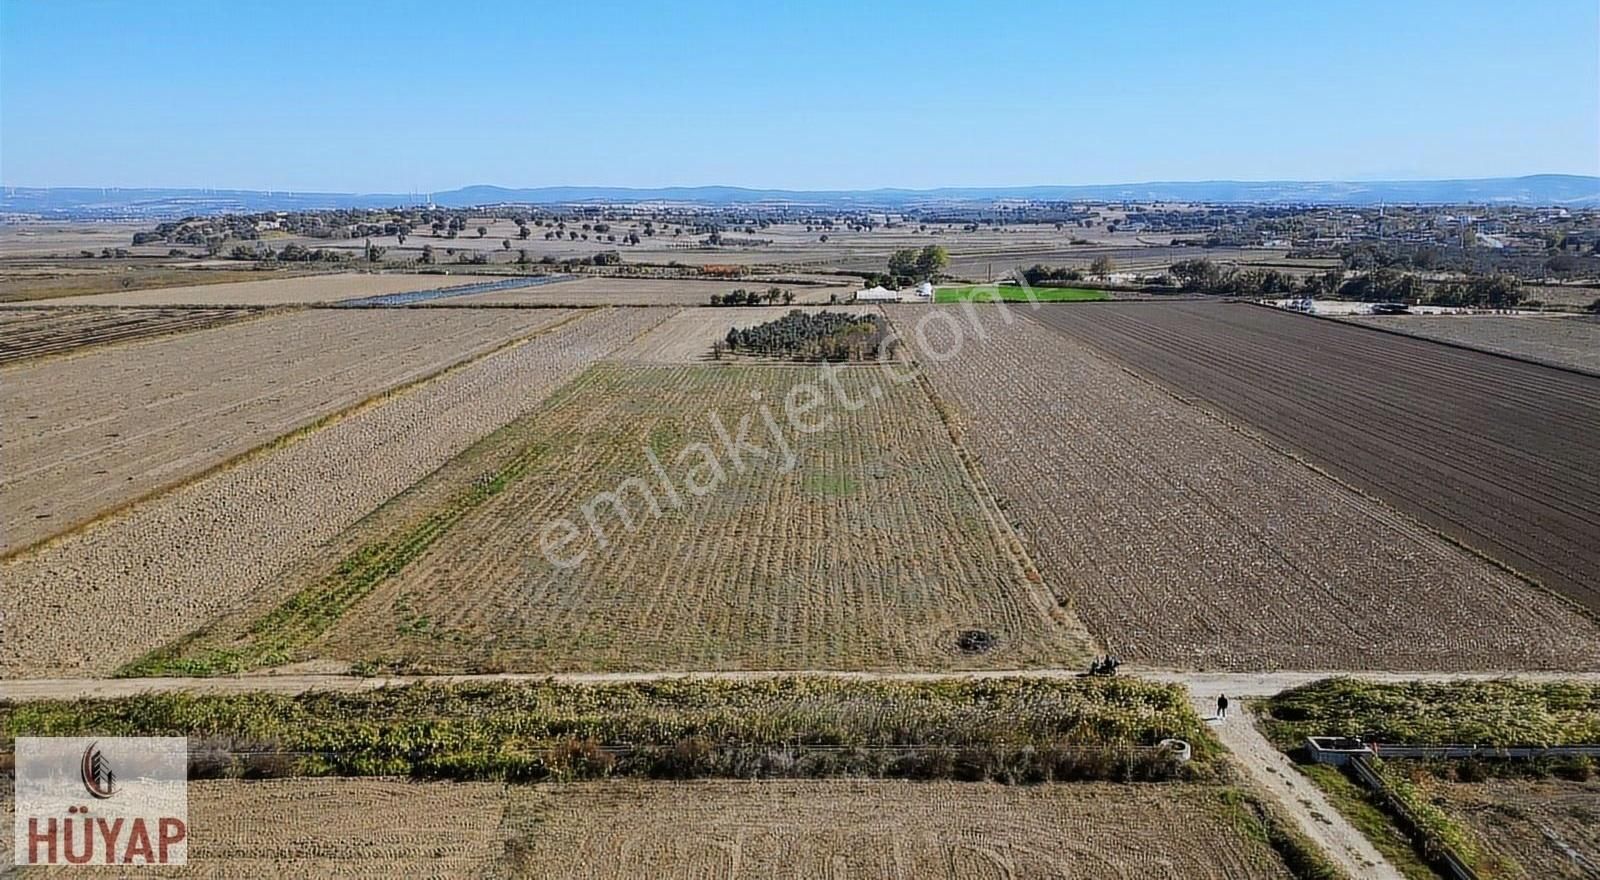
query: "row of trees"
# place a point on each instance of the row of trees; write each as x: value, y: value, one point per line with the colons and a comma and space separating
x: 741, y: 297
x: 1377, y: 285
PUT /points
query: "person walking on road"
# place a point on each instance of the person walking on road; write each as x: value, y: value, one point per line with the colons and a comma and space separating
x: 1222, y: 707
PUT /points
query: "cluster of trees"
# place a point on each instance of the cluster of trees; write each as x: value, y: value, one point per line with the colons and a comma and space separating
x: 1039, y: 275
x: 741, y: 297
x: 291, y: 253
x: 811, y: 336
x: 918, y: 264
x: 1497, y: 291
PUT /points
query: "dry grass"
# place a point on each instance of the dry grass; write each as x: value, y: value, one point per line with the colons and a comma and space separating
x: 1183, y: 542
x: 874, y: 552
x: 316, y: 828
x: 106, y: 595
x: 93, y: 278
x: 89, y: 433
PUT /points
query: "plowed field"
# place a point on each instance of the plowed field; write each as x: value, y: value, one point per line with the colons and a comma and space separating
x: 1497, y: 454
x: 1182, y: 542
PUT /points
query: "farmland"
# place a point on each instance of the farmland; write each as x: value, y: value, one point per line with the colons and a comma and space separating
x: 93, y: 432
x: 870, y: 549
x: 1495, y: 454
x: 32, y: 333
x: 888, y: 829
x: 300, y: 290
x: 103, y: 596
x: 1008, y: 293
x: 1180, y: 541
x: 1528, y: 828
x: 688, y: 336
x: 722, y: 828
x: 1566, y: 341
x: 646, y: 292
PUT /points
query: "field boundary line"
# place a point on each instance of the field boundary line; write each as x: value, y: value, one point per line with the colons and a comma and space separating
x: 1248, y: 431
x: 288, y: 438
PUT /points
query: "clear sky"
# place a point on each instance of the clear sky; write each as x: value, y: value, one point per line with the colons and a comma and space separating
x: 400, y: 96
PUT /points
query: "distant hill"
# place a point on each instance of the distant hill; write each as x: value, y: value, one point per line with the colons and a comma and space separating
x: 1540, y: 189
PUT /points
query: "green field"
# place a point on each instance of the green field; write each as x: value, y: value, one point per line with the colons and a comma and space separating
x: 1008, y: 293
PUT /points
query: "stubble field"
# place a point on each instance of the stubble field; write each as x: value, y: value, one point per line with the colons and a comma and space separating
x: 872, y: 549
x: 109, y: 593
x: 1182, y: 542
x: 89, y: 433
x: 301, y: 290
x: 35, y: 333
x: 1496, y: 454
x: 316, y: 828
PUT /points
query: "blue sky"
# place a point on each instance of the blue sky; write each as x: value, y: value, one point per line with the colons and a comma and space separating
x: 399, y: 96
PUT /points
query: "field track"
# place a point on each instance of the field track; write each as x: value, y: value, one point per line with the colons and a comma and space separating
x: 1496, y: 454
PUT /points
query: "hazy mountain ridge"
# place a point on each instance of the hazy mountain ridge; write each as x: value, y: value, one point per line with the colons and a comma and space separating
x: 1540, y: 189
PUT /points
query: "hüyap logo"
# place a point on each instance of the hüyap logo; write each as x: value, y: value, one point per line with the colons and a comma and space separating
x: 98, y: 779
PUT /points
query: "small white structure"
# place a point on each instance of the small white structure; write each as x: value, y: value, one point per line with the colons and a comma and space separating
x: 925, y: 292
x: 877, y: 294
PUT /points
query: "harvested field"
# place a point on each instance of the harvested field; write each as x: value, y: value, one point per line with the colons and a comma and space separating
x: 884, y: 829
x: 1182, y: 542
x: 306, y: 828
x: 116, y: 590
x: 728, y: 829
x: 86, y: 434
x: 1548, y: 828
x: 1565, y: 341
x: 36, y: 333
x: 644, y: 292
x: 687, y: 336
x: 281, y: 291
x: 870, y: 549
x: 1496, y: 454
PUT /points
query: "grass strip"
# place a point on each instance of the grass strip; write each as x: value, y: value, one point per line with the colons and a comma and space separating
x: 1020, y: 730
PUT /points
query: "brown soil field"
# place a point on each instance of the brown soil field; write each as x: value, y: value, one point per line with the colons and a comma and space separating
x: 874, y: 551
x: 74, y: 278
x: 687, y: 336
x: 1496, y: 454
x: 89, y: 433
x: 1564, y: 341
x: 1548, y: 828
x: 1182, y: 542
x: 305, y: 289
x: 885, y: 829
x: 33, y: 333
x: 306, y: 828
x: 317, y: 828
x: 641, y: 292
x: 104, y: 595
